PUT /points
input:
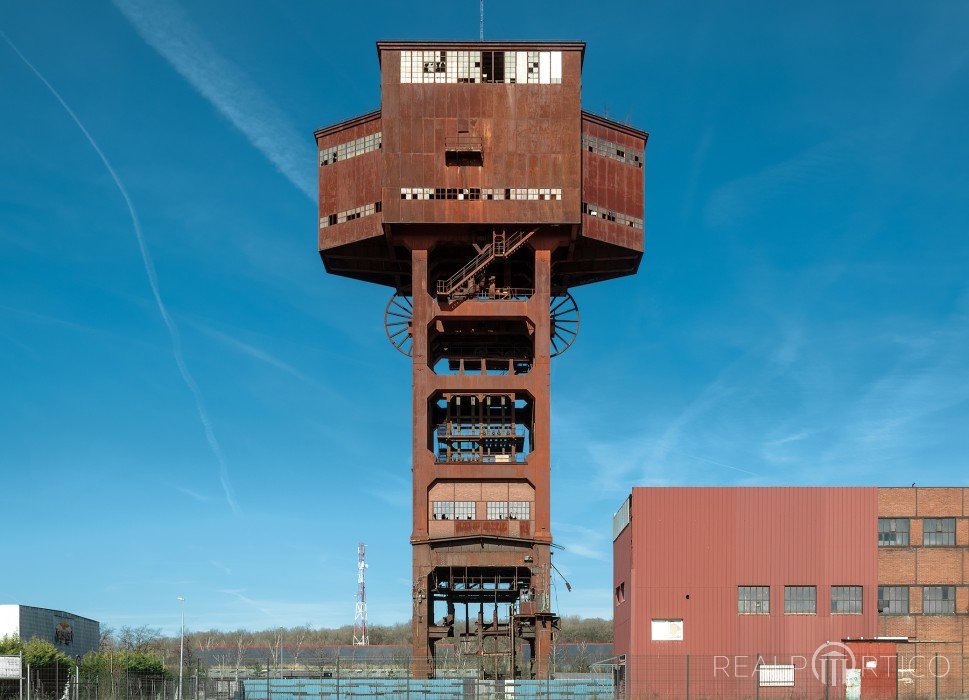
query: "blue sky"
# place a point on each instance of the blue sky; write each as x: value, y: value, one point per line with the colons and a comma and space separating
x: 212, y: 416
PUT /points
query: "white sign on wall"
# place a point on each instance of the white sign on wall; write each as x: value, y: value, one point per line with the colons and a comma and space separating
x: 667, y: 630
x: 10, y: 667
x: 776, y: 675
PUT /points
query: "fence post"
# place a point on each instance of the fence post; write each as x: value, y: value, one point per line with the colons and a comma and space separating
x: 756, y: 676
x: 28, y: 681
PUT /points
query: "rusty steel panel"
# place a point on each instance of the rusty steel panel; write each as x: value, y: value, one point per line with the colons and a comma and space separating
x: 528, y: 136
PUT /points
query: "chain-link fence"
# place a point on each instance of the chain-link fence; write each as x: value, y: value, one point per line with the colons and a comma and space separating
x: 812, y: 676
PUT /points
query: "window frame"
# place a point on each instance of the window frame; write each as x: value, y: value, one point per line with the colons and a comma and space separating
x: 947, y: 594
x: 947, y: 535
x: 850, y: 590
x: 795, y: 597
x: 749, y: 597
x: 907, y: 599
x: 896, y: 532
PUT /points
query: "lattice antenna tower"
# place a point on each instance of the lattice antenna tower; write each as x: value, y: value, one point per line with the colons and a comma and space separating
x: 481, y: 20
x: 360, y: 611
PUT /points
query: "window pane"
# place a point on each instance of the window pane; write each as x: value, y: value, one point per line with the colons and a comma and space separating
x: 939, y: 532
x: 893, y: 600
x: 753, y: 600
x: 846, y: 600
x: 800, y: 600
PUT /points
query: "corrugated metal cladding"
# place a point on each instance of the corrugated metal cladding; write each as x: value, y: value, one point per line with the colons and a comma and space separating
x: 691, y: 548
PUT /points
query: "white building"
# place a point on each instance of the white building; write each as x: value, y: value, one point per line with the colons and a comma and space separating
x: 72, y: 634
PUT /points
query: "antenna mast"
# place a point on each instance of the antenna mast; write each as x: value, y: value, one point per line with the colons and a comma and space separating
x: 360, y: 613
x: 481, y: 20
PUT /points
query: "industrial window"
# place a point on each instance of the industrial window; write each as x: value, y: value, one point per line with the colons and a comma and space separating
x: 519, y: 510
x: 603, y: 213
x: 621, y: 593
x: 800, y: 600
x: 356, y: 147
x: 350, y: 214
x: 443, y: 510
x: 846, y: 600
x: 513, y: 510
x: 488, y: 193
x: 893, y: 532
x: 497, y: 510
x: 610, y: 149
x: 893, y: 600
x: 753, y: 600
x: 939, y: 532
x: 464, y: 510
x: 939, y: 600
x: 436, y: 66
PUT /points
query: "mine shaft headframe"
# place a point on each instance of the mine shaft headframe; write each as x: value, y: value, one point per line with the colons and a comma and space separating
x: 563, y: 312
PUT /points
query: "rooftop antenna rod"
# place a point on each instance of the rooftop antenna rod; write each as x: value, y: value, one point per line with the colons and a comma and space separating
x: 360, y: 613
x: 481, y: 20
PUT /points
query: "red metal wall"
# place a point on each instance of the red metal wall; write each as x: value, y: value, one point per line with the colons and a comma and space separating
x: 692, y: 547
x: 622, y: 574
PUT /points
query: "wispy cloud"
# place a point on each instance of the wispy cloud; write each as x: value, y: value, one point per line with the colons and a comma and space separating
x: 585, y: 542
x: 194, y: 495
x: 167, y: 29
x: 149, y: 266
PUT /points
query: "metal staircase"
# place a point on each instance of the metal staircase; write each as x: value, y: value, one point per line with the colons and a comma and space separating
x: 502, y: 245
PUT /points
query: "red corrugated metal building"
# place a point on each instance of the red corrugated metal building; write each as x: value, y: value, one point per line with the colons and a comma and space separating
x: 741, y: 580
x: 827, y: 592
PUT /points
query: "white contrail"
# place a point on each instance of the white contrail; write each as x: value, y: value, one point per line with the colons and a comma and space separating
x: 153, y: 282
x: 164, y: 26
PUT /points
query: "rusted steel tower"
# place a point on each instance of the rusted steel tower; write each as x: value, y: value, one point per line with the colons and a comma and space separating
x: 481, y: 193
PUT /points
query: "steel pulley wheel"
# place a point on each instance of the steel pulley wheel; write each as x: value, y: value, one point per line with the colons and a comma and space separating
x: 397, y: 323
x: 565, y: 323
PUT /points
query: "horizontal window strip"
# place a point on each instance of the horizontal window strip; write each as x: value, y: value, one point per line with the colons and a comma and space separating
x: 350, y: 214
x: 522, y: 67
x: 609, y: 215
x: 613, y: 150
x: 483, y: 193
x: 356, y: 147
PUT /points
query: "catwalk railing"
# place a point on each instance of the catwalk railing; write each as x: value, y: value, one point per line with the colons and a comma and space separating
x: 832, y: 674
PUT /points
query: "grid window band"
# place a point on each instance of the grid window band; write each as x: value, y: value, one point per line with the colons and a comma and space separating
x: 483, y: 193
x: 893, y: 532
x: 458, y: 66
x: 610, y: 149
x: 350, y: 214
x: 349, y: 149
x: 938, y: 600
x: 893, y: 600
x: 511, y: 510
x: 443, y: 510
x: 464, y: 510
x: 753, y: 600
x: 595, y: 210
x: 846, y: 600
x: 939, y: 532
x: 800, y: 600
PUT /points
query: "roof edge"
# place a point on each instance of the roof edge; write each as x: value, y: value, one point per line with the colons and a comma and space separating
x: 347, y: 123
x: 619, y: 126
